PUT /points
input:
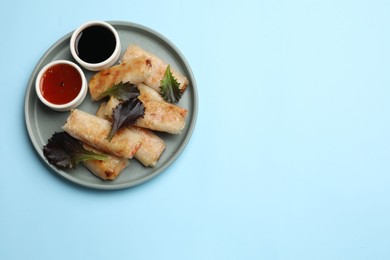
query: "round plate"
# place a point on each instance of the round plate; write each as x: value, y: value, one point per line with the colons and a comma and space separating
x: 42, y: 122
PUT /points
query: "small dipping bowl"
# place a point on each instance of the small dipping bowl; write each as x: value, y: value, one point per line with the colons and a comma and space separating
x: 95, y: 45
x: 61, y: 85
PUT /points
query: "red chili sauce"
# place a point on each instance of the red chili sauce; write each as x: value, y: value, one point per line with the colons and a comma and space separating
x: 60, y: 84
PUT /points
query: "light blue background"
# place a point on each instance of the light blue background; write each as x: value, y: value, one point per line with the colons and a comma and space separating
x: 289, y: 158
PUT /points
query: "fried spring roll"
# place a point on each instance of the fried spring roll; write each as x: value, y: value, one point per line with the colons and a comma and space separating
x: 163, y: 117
x: 93, y: 131
x: 152, y: 146
x: 107, y: 169
x: 147, y: 93
x: 159, y: 114
x: 134, y: 71
x: 158, y: 68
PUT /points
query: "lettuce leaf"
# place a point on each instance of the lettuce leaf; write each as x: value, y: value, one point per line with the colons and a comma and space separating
x: 64, y: 151
x: 122, y: 91
x: 125, y: 114
x: 169, y: 88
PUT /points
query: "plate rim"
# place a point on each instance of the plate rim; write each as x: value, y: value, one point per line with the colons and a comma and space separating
x: 191, y: 124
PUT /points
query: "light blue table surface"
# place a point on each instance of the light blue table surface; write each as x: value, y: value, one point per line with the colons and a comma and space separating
x: 289, y: 158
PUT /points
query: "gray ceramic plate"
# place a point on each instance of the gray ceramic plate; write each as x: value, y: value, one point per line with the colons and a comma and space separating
x: 42, y: 122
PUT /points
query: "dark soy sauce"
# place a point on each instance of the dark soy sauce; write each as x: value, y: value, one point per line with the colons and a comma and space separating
x: 95, y: 44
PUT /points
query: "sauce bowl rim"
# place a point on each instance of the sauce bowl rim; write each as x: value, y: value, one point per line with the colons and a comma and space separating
x: 71, y: 104
x: 101, y: 65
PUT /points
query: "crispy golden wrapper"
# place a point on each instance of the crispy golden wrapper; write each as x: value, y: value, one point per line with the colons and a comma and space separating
x: 158, y: 68
x: 93, y: 131
x: 134, y: 71
x: 107, y: 169
x: 159, y: 114
x: 152, y: 146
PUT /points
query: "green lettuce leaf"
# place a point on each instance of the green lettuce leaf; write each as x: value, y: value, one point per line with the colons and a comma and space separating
x: 169, y: 88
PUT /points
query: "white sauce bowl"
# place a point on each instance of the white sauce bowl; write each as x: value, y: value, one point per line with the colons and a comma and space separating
x: 101, y: 65
x: 67, y: 106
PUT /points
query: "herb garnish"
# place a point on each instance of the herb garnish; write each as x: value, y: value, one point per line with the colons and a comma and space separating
x: 122, y: 91
x: 64, y: 151
x: 125, y: 114
x: 169, y: 88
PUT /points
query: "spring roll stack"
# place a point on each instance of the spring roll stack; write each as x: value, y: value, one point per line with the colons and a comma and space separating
x: 139, y: 140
